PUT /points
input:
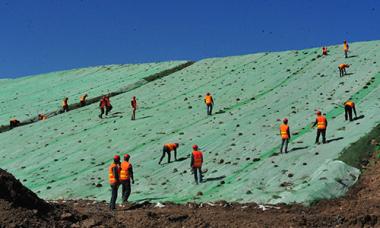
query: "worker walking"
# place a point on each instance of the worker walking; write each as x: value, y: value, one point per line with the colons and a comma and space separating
x: 342, y: 69
x: 114, y: 180
x: 108, y: 104
x: 196, y: 164
x: 134, y: 107
x: 285, y: 135
x: 348, y: 107
x: 321, y: 123
x: 167, y: 149
x: 324, y: 51
x: 209, y: 103
x: 82, y: 100
x: 126, y: 176
x: 102, y: 105
x: 345, y: 48
x: 65, y: 104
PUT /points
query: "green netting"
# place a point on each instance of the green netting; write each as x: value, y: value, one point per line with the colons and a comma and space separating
x: 68, y: 155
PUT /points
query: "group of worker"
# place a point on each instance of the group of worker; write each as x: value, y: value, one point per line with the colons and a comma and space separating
x: 343, y: 66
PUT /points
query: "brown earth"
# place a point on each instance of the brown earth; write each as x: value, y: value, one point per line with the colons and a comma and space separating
x: 359, y: 208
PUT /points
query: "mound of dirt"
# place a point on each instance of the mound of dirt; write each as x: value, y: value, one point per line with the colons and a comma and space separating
x: 16, y: 194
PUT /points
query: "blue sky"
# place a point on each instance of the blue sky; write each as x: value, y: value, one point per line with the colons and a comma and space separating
x: 41, y: 36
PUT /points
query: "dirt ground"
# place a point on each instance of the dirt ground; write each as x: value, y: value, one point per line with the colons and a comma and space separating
x: 359, y: 208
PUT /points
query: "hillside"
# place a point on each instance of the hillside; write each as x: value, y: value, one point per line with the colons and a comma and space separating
x: 66, y: 156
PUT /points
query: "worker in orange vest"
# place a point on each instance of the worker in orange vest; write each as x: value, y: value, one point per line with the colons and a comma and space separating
x: 321, y: 123
x: 345, y: 48
x: 167, y: 149
x: 108, y: 104
x: 42, y: 117
x: 65, y: 105
x: 13, y: 123
x: 342, y: 69
x: 82, y: 100
x: 196, y: 164
x: 324, y: 51
x: 285, y: 135
x: 134, y: 107
x: 348, y: 107
x: 114, y: 179
x: 126, y: 176
x: 102, y: 105
x: 209, y: 103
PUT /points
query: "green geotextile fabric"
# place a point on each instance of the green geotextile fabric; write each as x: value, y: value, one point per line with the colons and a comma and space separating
x: 67, y: 156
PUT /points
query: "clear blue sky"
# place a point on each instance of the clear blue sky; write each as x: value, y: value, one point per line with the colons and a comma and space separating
x: 39, y: 36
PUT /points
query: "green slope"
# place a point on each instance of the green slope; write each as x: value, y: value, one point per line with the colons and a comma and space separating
x: 66, y: 156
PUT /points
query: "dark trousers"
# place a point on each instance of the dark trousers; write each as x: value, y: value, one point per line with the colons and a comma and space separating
x: 209, y: 109
x: 82, y: 103
x: 165, y: 150
x: 101, y: 112
x: 323, y: 133
x: 133, y: 114
x: 348, y: 112
x: 346, y: 54
x: 114, y: 188
x: 65, y: 108
x: 108, y: 109
x: 285, y: 143
x: 197, y: 174
x: 342, y: 72
x: 126, y: 190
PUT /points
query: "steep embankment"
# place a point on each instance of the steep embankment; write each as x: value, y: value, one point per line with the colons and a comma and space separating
x: 68, y: 155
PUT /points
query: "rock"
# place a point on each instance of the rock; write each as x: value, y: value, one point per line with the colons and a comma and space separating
x: 98, y: 185
x: 66, y: 216
x: 290, y: 175
x: 199, y: 193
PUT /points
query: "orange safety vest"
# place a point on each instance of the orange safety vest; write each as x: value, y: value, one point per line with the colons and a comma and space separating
x: 198, y: 157
x: 124, y: 171
x: 208, y: 99
x: 64, y: 103
x: 321, y: 122
x: 171, y: 146
x: 342, y: 66
x: 349, y: 103
x: 111, y: 177
x: 345, y: 46
x: 284, y: 131
x: 82, y: 98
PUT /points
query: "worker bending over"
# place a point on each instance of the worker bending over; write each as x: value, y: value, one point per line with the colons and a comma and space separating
x: 196, y: 164
x: 108, y: 104
x: 345, y: 48
x: 167, y: 149
x: 348, y: 107
x: 14, y: 123
x: 342, y: 69
x: 42, y: 117
x: 82, y: 100
x: 65, y: 104
x: 102, y: 105
x: 126, y: 176
x: 285, y: 135
x: 134, y: 107
x: 209, y: 103
x: 114, y: 180
x: 321, y: 123
x: 324, y: 51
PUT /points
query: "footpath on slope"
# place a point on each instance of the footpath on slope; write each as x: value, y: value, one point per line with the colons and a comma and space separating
x: 96, y: 99
x: 358, y: 208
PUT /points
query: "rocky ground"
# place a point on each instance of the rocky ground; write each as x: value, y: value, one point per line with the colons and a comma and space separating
x: 20, y: 207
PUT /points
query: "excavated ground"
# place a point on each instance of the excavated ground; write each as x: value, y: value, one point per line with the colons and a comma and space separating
x: 359, y: 208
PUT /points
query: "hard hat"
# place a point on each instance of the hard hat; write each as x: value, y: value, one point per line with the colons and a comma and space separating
x: 319, y: 113
x: 116, y: 158
x: 285, y: 120
x: 195, y: 147
x: 126, y: 156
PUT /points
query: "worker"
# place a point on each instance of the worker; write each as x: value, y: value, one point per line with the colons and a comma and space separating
x: 209, y: 103
x: 196, y: 164
x: 108, y: 104
x: 65, y: 105
x: 345, y: 48
x: 321, y: 123
x: 342, y: 69
x: 14, y: 123
x: 42, y: 117
x: 285, y: 135
x: 102, y: 105
x: 126, y: 176
x: 82, y: 100
x: 348, y: 107
x: 114, y: 179
x: 324, y: 51
x: 134, y: 107
x: 169, y: 147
